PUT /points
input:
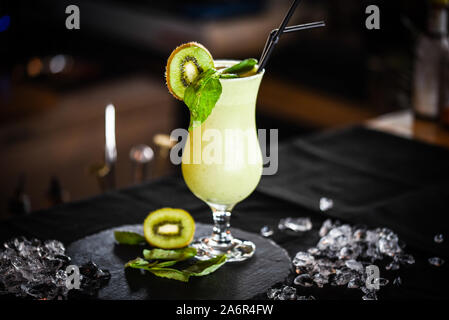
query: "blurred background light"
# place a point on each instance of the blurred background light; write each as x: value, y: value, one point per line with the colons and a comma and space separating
x: 57, y: 63
x: 34, y: 67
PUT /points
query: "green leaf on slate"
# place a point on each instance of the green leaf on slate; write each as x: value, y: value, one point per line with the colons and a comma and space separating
x: 164, y: 264
x: 170, y: 274
x: 200, y: 268
x: 140, y: 263
x: 241, y: 67
x: 202, y: 95
x: 205, y: 267
x: 128, y: 237
x: 175, y: 254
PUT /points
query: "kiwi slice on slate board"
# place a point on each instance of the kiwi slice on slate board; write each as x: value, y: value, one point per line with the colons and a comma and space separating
x: 169, y: 228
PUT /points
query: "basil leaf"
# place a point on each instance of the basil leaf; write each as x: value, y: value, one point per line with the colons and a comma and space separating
x: 165, y: 264
x: 170, y: 274
x: 140, y: 263
x: 128, y: 237
x: 241, y: 67
x: 202, y: 268
x: 176, y: 254
x: 202, y: 95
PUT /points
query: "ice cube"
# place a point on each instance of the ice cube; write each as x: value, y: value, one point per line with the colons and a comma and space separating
x: 320, y: 279
x: 397, y: 281
x: 370, y: 296
x: 273, y: 293
x: 436, y: 261
x: 266, y: 231
x: 354, y: 265
x: 287, y: 293
x: 303, y: 280
x: 303, y: 259
x: 392, y: 266
x: 327, y: 225
x: 404, y: 259
x: 439, y: 238
x: 326, y: 204
x: 295, y: 224
x: 355, y: 283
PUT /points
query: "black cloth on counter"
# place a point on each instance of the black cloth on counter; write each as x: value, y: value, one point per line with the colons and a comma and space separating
x: 373, y: 178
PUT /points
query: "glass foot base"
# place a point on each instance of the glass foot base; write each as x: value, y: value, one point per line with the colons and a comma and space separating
x: 236, y: 251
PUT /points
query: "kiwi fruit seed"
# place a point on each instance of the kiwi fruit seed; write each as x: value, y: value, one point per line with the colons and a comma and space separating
x: 185, y: 63
x: 169, y: 228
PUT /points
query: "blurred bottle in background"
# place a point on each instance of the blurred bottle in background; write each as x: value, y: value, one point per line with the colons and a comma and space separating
x: 55, y: 193
x: 19, y: 203
x: 431, y: 48
x: 444, y: 89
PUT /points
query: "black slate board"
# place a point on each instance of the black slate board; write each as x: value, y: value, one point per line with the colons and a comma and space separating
x: 269, y: 265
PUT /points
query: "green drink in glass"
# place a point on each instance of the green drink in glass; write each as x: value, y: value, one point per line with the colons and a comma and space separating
x: 222, y: 161
x: 226, y: 180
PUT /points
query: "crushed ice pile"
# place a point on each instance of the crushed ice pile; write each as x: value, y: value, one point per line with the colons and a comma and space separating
x: 340, y: 258
x: 286, y: 293
x: 36, y: 269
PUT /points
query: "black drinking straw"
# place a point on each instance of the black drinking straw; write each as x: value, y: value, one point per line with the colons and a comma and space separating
x: 272, y: 41
x: 275, y: 38
x: 304, y: 26
x: 298, y: 27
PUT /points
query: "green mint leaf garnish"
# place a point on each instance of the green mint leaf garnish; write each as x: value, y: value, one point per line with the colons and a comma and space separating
x: 170, y: 274
x: 241, y: 67
x: 202, y: 95
x: 128, y: 237
x: 159, y: 269
x: 176, y: 254
x: 205, y: 267
x: 140, y: 263
x: 165, y: 264
x: 198, y: 269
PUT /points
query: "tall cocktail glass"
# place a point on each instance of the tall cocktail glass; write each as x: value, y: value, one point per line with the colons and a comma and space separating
x: 222, y: 162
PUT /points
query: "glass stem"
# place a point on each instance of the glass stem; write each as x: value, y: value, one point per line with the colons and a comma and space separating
x: 221, y: 234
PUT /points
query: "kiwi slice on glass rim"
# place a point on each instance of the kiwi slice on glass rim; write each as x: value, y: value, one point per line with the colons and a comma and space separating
x: 185, y: 63
x: 169, y: 228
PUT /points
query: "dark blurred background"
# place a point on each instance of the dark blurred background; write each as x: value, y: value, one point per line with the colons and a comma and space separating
x: 55, y: 83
